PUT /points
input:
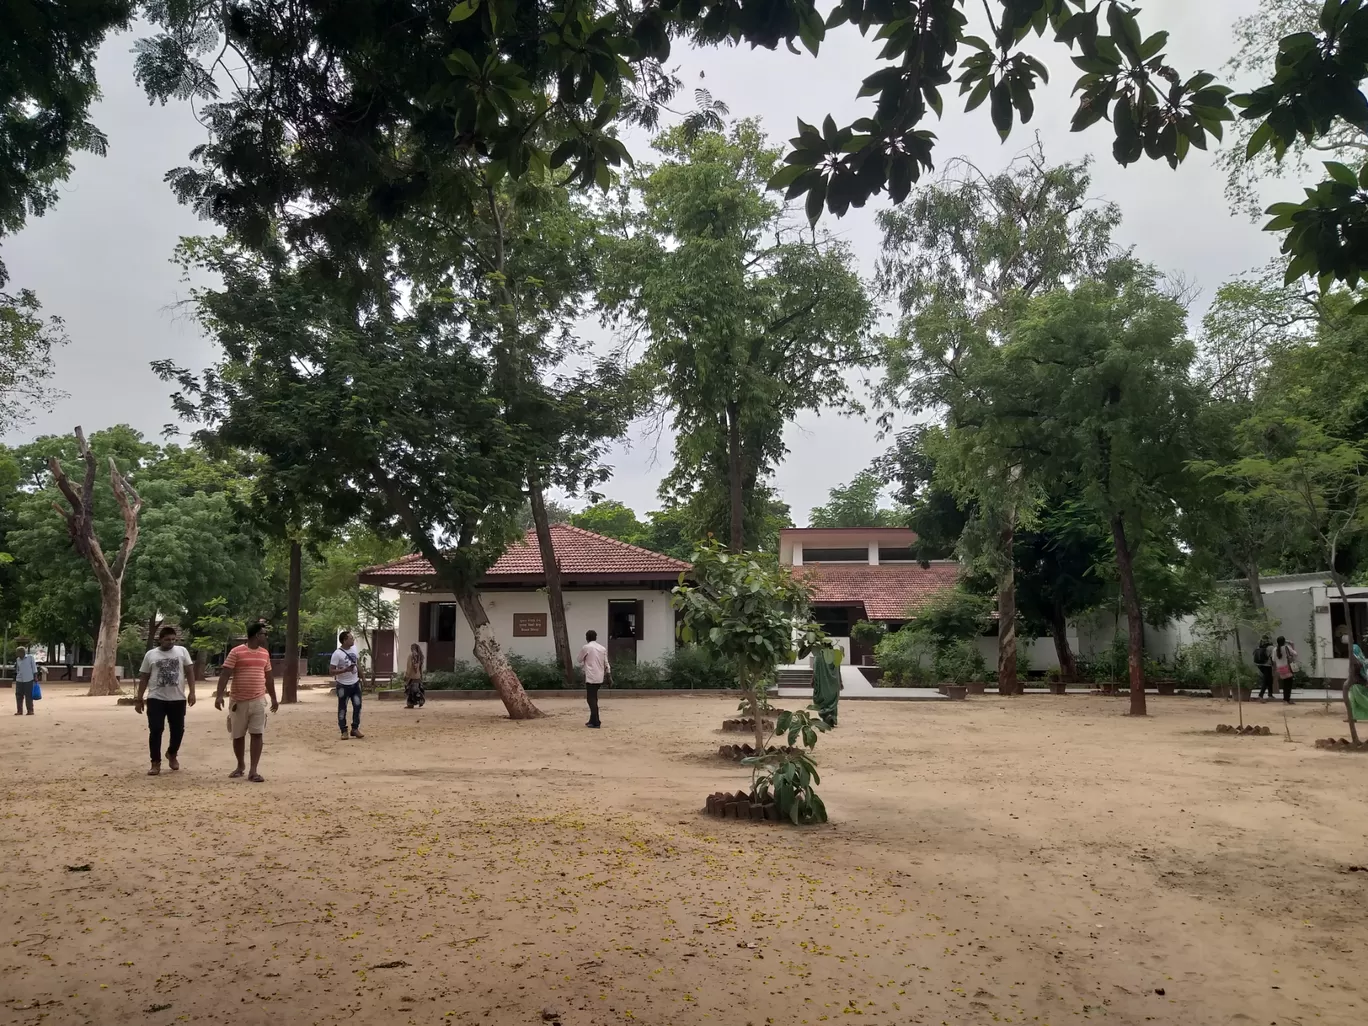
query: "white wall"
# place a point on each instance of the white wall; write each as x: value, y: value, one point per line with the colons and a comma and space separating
x: 1032, y: 653
x: 584, y: 610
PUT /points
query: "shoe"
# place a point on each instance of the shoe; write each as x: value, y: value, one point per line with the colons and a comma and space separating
x: 344, y: 735
x: 357, y: 734
x: 594, y: 725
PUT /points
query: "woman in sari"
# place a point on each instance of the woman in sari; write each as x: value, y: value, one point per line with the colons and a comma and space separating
x: 413, y: 678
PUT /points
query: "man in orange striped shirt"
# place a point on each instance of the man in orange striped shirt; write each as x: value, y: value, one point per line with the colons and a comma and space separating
x: 249, y: 668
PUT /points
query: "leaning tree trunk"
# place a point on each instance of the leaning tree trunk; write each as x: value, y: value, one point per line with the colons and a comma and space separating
x: 290, y: 677
x: 1059, y: 630
x: 81, y: 529
x: 1007, y: 638
x: 493, y: 661
x: 735, y: 472
x: 555, y: 598
x: 1136, y: 641
x: 1353, y: 675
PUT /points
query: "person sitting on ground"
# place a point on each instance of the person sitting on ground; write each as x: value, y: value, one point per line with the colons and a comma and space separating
x: 249, y: 668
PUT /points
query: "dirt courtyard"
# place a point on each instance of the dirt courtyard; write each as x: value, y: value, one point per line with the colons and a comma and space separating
x: 1031, y: 860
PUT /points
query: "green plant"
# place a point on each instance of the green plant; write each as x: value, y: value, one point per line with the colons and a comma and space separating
x: 790, y: 777
x: 903, y: 655
x: 750, y: 613
x: 867, y: 633
x: 959, y: 662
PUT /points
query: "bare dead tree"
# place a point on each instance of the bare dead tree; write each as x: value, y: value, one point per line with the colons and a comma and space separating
x: 80, y: 522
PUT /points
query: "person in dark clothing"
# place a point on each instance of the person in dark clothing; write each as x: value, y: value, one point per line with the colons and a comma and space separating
x: 1263, y: 662
x: 1285, y: 665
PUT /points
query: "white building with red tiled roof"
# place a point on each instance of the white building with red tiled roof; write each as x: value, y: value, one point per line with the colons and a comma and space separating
x: 619, y: 590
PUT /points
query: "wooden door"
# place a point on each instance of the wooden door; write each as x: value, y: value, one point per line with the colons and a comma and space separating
x: 382, y: 658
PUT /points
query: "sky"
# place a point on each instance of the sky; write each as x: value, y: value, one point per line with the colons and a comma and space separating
x: 101, y: 260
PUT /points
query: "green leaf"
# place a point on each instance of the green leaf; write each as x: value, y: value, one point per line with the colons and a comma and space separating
x: 1000, y: 106
x: 1153, y: 45
x: 979, y: 94
x: 1342, y: 173
x: 1261, y: 138
x: 463, y: 10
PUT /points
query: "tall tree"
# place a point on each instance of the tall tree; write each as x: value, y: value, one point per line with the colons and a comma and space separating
x: 857, y: 504
x: 749, y: 323
x: 1317, y: 479
x: 26, y: 344
x: 612, y: 519
x: 1096, y: 390
x: 398, y: 413
x: 80, y: 520
x: 962, y: 260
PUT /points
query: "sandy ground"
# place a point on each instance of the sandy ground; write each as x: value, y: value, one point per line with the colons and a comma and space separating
x: 1032, y: 860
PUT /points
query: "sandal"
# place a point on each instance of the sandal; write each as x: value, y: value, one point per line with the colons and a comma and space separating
x: 257, y: 778
x: 236, y: 773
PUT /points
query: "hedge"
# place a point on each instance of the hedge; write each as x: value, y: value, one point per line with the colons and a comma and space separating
x: 683, y: 669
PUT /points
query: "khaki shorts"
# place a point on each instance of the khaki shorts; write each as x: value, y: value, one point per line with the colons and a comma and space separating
x: 247, y: 717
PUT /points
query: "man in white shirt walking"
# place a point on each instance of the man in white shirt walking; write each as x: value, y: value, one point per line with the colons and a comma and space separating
x: 162, y: 677
x: 594, y: 658
x: 347, y: 681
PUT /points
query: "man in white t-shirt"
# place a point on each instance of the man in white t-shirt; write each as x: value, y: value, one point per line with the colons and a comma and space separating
x: 594, y: 658
x: 346, y: 672
x: 163, y: 676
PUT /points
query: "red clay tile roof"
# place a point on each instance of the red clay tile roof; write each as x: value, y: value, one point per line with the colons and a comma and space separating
x: 889, y: 591
x: 580, y: 553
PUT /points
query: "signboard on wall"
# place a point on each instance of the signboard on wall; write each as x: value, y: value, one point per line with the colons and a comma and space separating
x: 529, y: 625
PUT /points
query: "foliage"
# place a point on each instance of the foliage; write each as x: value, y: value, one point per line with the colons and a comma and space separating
x: 1314, y: 93
x: 26, y: 344
x: 611, y: 519
x: 959, y: 662
x: 933, y: 509
x: 856, y: 505
x: 903, y: 657
x: 951, y: 615
x: 216, y: 628
x: 48, y: 56
x: 749, y: 323
x: 867, y: 633
x: 687, y: 668
x: 749, y: 613
x: 790, y: 778
x: 556, y: 513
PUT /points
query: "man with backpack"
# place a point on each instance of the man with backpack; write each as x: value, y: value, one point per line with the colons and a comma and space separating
x: 1263, y: 662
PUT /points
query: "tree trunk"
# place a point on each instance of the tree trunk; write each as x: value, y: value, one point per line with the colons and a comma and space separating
x: 735, y: 491
x: 152, y: 630
x: 1353, y: 675
x: 1255, y: 588
x: 560, y: 634
x: 1134, y: 619
x: 103, y: 678
x: 79, y: 519
x: 289, y: 678
x: 492, y: 660
x: 1006, y: 600
x: 1059, y: 630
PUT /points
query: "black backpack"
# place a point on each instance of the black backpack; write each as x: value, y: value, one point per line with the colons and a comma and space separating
x: 1261, y: 655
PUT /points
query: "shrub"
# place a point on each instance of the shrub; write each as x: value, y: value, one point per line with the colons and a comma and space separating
x: 903, y: 655
x: 683, y: 669
x: 959, y: 662
x: 867, y: 633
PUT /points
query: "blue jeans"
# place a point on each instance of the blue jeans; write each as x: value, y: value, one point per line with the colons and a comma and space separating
x: 346, y: 693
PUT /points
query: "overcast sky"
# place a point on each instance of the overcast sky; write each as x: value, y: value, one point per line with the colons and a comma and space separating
x: 101, y: 259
